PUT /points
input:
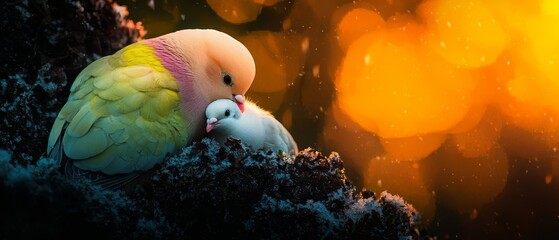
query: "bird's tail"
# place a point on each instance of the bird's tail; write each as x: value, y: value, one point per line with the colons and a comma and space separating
x: 56, y: 152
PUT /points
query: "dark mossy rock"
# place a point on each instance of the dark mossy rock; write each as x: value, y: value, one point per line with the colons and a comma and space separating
x: 209, y: 191
x: 233, y: 191
x: 44, y: 45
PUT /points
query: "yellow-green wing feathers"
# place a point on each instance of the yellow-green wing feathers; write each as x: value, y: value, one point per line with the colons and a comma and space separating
x: 122, y: 115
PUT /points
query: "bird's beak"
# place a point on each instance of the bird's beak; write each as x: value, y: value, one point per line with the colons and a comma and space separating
x: 211, y: 122
x: 240, y: 101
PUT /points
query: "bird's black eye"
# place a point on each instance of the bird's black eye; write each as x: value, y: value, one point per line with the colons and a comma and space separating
x: 227, y: 79
x: 227, y: 113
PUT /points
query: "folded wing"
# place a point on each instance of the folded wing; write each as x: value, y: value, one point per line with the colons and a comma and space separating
x: 122, y: 115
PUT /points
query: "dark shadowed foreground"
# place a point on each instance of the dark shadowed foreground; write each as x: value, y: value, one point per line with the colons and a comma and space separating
x: 206, y: 191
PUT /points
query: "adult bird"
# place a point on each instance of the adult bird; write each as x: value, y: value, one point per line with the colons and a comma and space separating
x: 126, y: 112
x: 255, y: 126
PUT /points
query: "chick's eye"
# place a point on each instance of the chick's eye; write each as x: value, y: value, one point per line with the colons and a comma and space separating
x: 227, y: 113
x: 227, y: 79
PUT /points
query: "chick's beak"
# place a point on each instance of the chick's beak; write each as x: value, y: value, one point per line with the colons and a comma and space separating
x: 240, y: 101
x: 211, y: 122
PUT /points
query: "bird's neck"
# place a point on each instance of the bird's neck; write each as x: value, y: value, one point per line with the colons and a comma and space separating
x: 175, y: 63
x: 193, y: 100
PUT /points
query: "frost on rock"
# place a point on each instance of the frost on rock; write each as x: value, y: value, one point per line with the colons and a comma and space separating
x: 44, y: 45
x: 37, y: 202
x: 206, y: 191
x: 236, y: 192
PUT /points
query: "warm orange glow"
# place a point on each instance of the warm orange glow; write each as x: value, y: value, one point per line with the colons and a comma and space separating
x: 287, y: 119
x: 548, y: 179
x: 356, y: 23
x: 122, y: 10
x: 278, y: 58
x: 412, y: 148
x: 464, y: 32
x: 407, y: 79
x: 271, y: 54
x: 447, y: 86
x: 473, y: 214
x: 392, y: 85
x: 238, y: 11
x: 266, y: 2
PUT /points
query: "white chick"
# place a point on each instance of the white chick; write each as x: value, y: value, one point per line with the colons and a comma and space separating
x: 255, y: 126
